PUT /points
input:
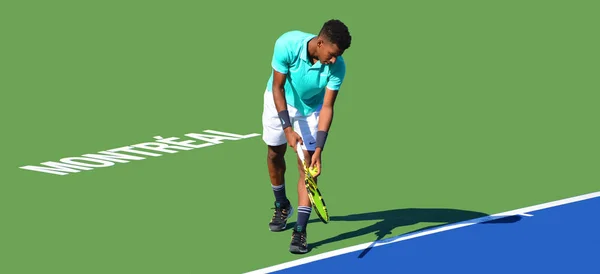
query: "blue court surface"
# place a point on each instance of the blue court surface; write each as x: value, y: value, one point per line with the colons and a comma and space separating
x: 556, y: 237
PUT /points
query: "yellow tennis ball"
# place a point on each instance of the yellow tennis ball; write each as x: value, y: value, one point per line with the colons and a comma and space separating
x: 313, y: 171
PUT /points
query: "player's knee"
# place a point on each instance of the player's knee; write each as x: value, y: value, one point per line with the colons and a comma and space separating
x: 276, y: 153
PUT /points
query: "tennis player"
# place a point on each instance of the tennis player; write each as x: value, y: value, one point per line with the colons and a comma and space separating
x: 308, y: 71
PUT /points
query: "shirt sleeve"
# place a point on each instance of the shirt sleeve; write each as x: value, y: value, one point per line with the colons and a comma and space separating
x: 281, y: 56
x: 338, y: 72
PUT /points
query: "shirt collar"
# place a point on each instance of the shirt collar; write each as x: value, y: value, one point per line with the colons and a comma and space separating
x: 304, y: 48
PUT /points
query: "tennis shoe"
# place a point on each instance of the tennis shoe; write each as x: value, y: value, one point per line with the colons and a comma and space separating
x: 298, y: 244
x: 282, y: 213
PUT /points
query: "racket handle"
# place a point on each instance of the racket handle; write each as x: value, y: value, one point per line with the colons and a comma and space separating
x: 300, y: 151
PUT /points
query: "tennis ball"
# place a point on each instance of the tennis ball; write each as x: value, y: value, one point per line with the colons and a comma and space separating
x: 313, y: 170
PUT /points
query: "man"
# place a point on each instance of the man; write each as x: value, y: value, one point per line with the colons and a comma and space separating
x: 308, y: 71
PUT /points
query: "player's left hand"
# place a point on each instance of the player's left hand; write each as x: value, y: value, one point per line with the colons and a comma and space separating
x: 315, y: 163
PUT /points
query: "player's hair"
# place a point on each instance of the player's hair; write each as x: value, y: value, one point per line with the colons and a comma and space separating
x: 337, y: 33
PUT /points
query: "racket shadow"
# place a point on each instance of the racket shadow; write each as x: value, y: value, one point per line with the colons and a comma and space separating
x: 388, y: 220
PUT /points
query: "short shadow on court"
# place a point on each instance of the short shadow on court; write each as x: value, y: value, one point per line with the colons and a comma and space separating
x: 388, y: 220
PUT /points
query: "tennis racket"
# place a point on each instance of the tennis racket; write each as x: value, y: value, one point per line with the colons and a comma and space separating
x: 314, y: 194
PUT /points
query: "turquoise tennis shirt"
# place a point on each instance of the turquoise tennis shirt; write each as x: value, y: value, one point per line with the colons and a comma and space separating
x: 305, y: 83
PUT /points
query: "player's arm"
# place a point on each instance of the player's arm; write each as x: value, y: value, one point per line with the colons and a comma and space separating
x: 338, y: 73
x: 279, y: 98
x: 326, y: 114
x: 281, y: 62
x: 325, y: 118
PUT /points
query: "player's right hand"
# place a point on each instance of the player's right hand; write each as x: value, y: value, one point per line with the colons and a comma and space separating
x: 293, y: 137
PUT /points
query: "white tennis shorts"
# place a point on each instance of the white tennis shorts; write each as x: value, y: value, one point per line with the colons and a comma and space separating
x: 305, y: 126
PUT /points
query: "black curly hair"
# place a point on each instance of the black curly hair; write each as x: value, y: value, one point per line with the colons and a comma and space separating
x: 336, y: 32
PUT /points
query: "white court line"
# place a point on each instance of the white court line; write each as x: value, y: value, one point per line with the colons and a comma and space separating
x: 521, y: 211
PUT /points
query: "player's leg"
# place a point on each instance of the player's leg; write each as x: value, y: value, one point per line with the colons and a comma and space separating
x: 277, y: 166
x: 307, y: 128
x: 274, y: 137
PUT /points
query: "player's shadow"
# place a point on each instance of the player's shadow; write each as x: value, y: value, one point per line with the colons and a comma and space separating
x: 388, y: 220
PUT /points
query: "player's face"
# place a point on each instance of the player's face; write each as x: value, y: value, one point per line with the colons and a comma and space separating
x: 328, y: 52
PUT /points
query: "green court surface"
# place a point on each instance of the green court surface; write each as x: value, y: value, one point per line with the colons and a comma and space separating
x: 469, y: 107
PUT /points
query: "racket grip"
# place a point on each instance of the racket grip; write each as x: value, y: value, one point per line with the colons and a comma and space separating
x: 300, y: 151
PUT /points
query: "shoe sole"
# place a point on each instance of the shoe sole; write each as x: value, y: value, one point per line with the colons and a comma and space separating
x: 297, y: 250
x: 282, y: 228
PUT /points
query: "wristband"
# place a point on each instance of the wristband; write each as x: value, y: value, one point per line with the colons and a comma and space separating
x: 321, y: 138
x: 284, y: 117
